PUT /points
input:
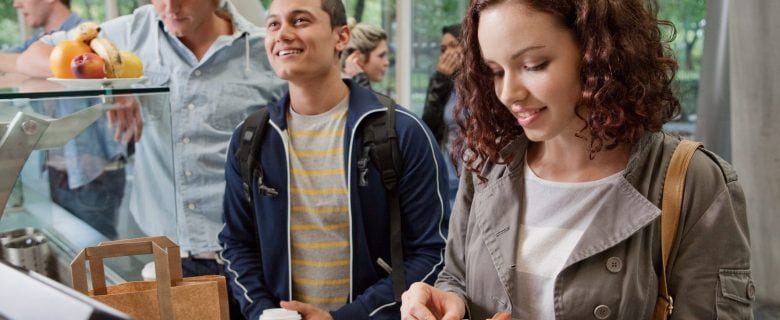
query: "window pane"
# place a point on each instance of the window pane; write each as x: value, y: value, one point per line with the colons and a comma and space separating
x: 688, y: 18
x: 94, y: 10
x: 380, y: 13
x: 428, y: 17
x: 9, y: 27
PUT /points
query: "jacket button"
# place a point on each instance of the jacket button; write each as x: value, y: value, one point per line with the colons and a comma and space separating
x: 751, y: 290
x: 602, y: 312
x: 614, y: 264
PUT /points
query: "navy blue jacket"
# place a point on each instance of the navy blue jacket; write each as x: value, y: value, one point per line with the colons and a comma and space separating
x: 256, y: 237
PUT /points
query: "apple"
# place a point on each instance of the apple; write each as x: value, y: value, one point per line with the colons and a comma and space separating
x: 88, y: 66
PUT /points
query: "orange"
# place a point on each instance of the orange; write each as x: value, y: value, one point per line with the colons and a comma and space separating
x: 63, y: 53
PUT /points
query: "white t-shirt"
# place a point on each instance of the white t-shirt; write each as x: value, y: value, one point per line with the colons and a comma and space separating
x: 554, y: 217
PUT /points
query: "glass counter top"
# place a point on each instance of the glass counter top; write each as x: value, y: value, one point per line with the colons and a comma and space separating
x: 14, y: 86
x: 65, y: 172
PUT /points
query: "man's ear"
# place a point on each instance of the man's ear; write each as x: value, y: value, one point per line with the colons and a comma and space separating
x: 343, y: 34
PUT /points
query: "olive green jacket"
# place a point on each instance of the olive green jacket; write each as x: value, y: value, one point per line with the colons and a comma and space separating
x: 612, y: 272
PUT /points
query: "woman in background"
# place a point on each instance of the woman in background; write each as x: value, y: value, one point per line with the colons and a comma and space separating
x: 557, y: 213
x: 440, y: 100
x: 365, y: 59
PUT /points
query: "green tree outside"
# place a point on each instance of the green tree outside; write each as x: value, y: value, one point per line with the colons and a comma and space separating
x: 9, y: 29
x: 688, y: 17
x: 94, y: 10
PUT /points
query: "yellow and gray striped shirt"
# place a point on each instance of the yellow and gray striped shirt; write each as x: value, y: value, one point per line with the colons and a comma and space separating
x: 319, y: 223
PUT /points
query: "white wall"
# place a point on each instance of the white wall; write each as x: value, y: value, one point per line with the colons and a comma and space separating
x: 755, y: 110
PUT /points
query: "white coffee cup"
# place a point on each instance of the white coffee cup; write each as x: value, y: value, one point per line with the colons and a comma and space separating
x: 279, y: 314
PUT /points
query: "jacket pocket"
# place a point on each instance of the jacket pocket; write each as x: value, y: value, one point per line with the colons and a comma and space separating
x: 736, y: 294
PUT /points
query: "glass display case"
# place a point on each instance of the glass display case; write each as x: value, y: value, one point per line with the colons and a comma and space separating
x: 66, y: 169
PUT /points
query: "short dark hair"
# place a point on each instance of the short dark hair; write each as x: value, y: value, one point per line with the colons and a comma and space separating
x: 66, y: 3
x: 453, y: 30
x: 336, y: 12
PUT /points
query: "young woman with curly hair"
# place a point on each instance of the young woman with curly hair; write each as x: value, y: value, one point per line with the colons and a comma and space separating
x: 557, y: 214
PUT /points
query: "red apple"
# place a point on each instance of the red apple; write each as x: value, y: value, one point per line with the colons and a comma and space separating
x: 88, y: 66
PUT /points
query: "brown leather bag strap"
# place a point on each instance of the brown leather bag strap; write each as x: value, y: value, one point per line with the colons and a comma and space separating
x: 674, y: 186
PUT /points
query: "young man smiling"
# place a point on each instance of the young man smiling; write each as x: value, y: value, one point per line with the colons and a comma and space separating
x: 315, y: 245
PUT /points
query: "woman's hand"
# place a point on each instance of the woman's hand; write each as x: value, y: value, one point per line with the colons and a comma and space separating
x: 424, y: 302
x: 352, y: 64
x: 449, y: 61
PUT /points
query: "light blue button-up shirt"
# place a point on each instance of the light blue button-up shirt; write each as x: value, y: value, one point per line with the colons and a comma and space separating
x: 178, y: 181
x: 71, y: 22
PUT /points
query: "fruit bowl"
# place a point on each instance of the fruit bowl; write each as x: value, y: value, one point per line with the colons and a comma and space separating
x: 96, y: 84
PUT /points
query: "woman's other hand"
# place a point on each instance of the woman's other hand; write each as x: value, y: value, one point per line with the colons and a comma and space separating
x: 449, y: 61
x: 424, y: 302
x: 352, y: 64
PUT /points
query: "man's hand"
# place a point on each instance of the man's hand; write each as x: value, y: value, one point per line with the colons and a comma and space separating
x: 352, y: 65
x: 125, y: 117
x: 449, y: 61
x: 309, y: 312
x: 423, y: 302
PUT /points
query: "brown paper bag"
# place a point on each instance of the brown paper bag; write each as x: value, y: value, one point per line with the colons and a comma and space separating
x: 168, y: 297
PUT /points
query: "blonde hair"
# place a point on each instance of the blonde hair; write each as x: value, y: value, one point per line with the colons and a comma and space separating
x: 365, y: 38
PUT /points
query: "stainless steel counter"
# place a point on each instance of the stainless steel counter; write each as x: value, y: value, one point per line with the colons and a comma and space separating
x: 66, y: 235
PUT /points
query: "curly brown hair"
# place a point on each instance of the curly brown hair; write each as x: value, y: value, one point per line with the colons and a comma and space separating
x: 626, y: 74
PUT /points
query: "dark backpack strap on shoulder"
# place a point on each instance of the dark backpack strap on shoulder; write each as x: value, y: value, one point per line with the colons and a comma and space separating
x: 386, y: 155
x: 380, y: 142
x: 249, y: 149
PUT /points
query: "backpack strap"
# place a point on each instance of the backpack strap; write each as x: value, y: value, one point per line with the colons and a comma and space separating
x: 248, y: 150
x: 380, y: 143
x: 674, y: 185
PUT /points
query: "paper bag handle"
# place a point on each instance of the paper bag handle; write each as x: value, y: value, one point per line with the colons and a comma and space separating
x: 174, y: 255
x: 117, y: 248
x: 131, y: 247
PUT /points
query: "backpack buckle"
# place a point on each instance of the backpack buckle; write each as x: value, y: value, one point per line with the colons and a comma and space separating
x: 264, y: 189
x: 363, y: 166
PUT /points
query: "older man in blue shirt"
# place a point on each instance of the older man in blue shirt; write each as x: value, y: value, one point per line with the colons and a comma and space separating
x: 214, y: 62
x: 47, y: 16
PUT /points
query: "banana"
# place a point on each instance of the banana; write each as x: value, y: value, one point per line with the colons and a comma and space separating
x: 110, y: 54
x: 86, y: 31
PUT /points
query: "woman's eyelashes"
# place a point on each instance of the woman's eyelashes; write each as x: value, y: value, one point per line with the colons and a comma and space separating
x: 498, y: 73
x: 536, y: 67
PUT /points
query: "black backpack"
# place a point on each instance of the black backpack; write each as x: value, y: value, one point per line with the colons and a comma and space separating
x: 380, y: 146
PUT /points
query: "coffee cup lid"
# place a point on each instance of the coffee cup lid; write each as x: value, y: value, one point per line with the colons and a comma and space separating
x: 279, y: 314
